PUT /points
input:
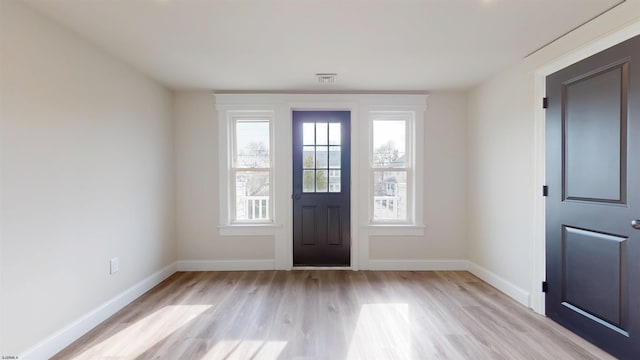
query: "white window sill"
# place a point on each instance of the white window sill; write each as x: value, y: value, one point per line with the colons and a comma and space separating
x: 394, y: 230
x: 249, y: 229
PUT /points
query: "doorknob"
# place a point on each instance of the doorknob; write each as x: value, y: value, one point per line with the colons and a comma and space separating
x: 297, y: 197
x: 635, y: 224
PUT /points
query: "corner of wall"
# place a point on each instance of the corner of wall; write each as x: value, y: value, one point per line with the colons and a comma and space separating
x: 518, y: 294
x: 70, y: 333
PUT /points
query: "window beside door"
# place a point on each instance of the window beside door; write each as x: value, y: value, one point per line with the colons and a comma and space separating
x: 391, y: 176
x: 251, y: 170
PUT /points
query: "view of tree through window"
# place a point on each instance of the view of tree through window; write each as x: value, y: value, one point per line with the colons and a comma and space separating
x: 254, y: 155
x: 310, y: 180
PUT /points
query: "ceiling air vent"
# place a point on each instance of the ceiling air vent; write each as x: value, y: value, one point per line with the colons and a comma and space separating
x: 326, y: 78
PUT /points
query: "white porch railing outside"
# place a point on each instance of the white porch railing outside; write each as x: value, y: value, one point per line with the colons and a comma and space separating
x: 256, y: 207
x: 387, y: 206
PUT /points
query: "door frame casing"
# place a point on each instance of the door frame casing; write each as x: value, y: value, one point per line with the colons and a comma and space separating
x: 538, y: 271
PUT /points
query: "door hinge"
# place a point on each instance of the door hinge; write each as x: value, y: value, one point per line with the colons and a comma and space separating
x: 545, y: 287
x: 545, y: 190
x: 545, y: 102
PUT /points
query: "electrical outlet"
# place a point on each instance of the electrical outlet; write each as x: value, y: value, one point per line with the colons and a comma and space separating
x: 114, y: 265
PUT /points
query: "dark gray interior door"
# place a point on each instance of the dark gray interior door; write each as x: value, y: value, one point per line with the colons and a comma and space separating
x: 321, y: 188
x: 593, y: 174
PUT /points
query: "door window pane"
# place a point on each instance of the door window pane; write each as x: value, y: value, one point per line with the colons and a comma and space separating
x: 308, y: 134
x: 308, y: 181
x: 322, y: 156
x: 334, y: 134
x: 321, y: 181
x: 334, y: 157
x: 322, y: 133
x: 334, y: 180
x: 308, y: 157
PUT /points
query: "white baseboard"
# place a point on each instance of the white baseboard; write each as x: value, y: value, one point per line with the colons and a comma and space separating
x: 501, y: 284
x: 70, y: 333
x: 419, y: 265
x: 225, y: 265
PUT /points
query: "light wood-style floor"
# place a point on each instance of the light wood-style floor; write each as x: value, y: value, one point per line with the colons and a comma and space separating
x: 327, y: 315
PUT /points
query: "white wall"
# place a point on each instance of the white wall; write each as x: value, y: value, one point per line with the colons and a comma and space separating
x: 87, y: 174
x: 198, y: 198
x: 505, y: 164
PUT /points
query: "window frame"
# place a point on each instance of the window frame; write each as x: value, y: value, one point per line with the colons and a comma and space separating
x: 409, y: 118
x: 235, y: 118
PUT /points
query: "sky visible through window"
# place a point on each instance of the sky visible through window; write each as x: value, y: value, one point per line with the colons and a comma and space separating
x: 385, y: 131
x: 252, y: 131
x: 316, y: 133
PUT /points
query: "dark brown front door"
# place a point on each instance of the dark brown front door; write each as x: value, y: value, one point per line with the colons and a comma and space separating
x: 321, y: 188
x: 593, y: 174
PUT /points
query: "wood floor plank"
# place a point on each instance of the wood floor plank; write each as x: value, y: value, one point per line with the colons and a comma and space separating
x: 326, y: 314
